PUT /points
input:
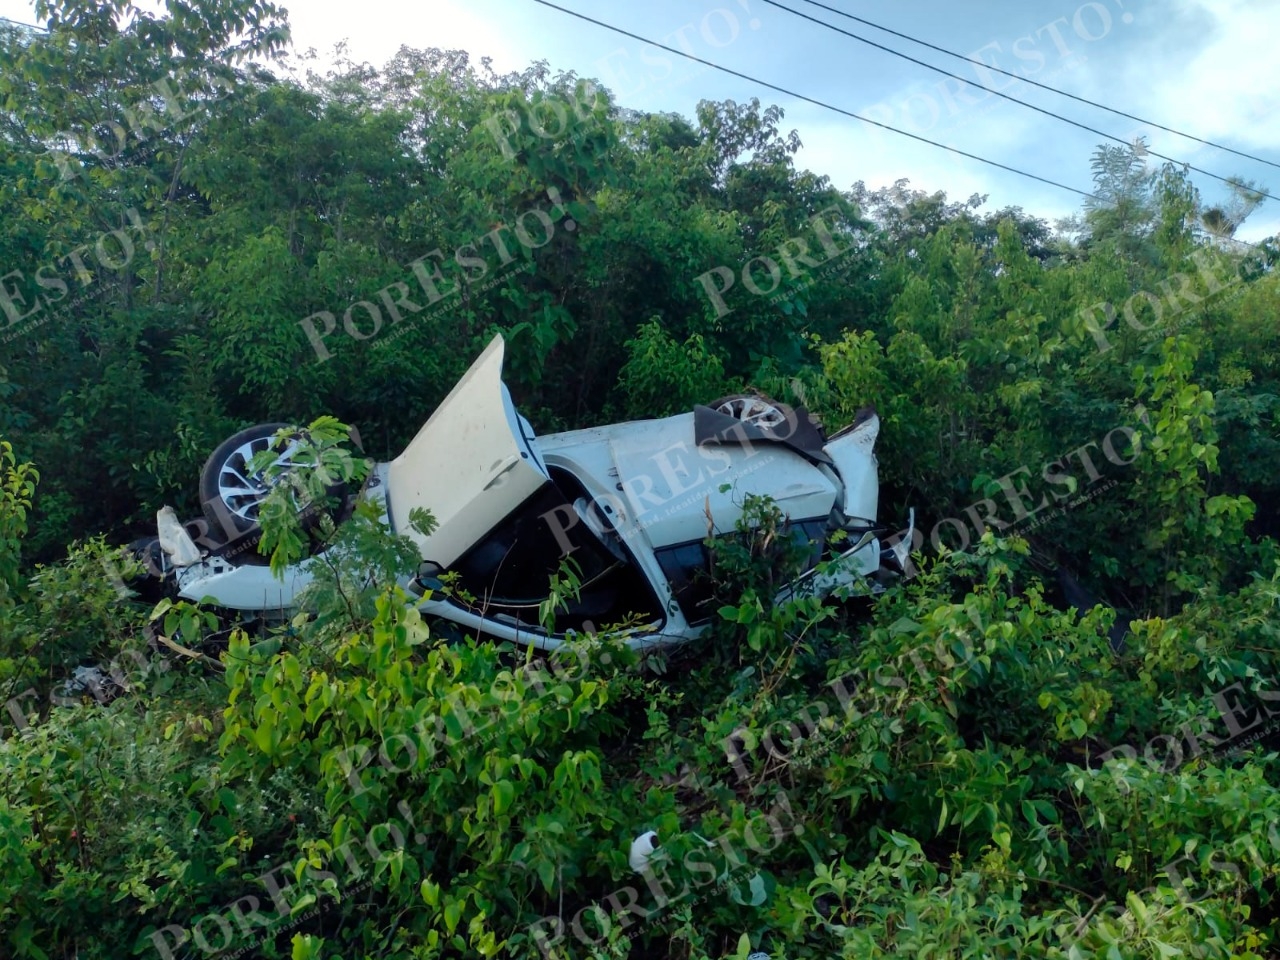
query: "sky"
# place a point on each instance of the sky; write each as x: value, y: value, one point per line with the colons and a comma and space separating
x: 1206, y: 67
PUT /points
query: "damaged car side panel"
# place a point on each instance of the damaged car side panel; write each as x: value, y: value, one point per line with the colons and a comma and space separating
x: 633, y: 505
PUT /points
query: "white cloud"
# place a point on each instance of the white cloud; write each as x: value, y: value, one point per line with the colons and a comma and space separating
x: 1205, y: 66
x: 847, y: 150
x: 1228, y: 89
x: 23, y: 11
x: 375, y: 34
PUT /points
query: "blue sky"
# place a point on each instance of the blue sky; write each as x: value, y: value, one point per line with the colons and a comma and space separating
x: 1205, y: 66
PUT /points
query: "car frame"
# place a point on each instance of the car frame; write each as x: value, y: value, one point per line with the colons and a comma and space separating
x: 634, y: 504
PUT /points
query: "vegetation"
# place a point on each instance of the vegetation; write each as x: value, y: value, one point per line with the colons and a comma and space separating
x: 983, y: 762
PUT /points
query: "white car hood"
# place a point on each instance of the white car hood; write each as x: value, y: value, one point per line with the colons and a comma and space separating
x: 470, y: 465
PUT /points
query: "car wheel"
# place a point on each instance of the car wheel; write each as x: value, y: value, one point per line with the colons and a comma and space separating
x: 757, y: 411
x: 230, y: 492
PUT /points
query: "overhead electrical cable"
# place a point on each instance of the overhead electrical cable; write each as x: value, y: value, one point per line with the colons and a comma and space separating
x: 19, y: 23
x: 819, y: 103
x: 1010, y: 98
x: 1042, y: 86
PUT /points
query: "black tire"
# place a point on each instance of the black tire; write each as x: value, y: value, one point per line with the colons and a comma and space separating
x: 156, y: 580
x: 230, y: 495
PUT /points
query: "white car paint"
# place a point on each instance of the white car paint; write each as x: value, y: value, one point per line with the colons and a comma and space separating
x: 244, y: 586
x: 854, y: 459
x: 469, y: 464
x: 476, y: 460
x: 670, y: 489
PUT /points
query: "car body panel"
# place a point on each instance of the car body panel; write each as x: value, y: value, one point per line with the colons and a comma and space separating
x: 852, y: 454
x: 469, y: 464
x: 246, y: 586
x: 680, y: 492
x: 252, y: 586
x: 670, y: 488
x: 648, y: 492
x: 650, y: 637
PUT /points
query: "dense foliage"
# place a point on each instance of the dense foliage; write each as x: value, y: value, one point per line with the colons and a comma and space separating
x: 985, y: 761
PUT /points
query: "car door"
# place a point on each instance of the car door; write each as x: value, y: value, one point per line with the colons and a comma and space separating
x: 472, y: 464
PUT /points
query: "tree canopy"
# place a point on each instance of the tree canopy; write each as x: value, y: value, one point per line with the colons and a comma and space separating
x: 197, y: 235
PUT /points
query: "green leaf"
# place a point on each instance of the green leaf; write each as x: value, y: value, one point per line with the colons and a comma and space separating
x: 452, y: 914
x: 547, y: 874
x: 264, y: 735
x: 504, y: 793
x: 430, y: 893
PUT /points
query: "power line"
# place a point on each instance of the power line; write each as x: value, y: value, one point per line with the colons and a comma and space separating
x: 839, y: 110
x: 1044, y: 86
x: 1012, y: 99
x: 819, y: 103
x: 19, y: 23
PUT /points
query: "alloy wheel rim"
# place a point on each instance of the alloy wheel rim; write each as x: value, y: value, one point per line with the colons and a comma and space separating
x: 242, y: 490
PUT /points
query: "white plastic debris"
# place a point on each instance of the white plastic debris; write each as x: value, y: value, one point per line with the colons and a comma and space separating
x: 174, y: 539
x: 94, y: 682
x: 642, y: 850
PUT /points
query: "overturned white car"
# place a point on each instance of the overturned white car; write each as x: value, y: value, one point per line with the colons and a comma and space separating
x: 633, y: 504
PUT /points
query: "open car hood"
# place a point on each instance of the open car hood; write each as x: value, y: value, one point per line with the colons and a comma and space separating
x: 472, y: 463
